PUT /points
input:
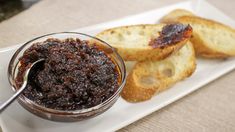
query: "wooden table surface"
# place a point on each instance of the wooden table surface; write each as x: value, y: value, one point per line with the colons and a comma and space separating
x: 212, y: 108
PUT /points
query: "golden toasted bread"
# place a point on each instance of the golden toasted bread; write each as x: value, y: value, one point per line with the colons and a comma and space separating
x: 211, y: 39
x: 150, y: 77
x: 146, y: 42
x: 175, y: 14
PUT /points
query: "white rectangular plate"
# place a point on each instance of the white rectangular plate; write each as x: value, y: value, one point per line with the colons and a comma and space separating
x: 15, y: 118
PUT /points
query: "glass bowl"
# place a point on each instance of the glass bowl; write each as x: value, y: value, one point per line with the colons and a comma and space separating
x: 61, y: 115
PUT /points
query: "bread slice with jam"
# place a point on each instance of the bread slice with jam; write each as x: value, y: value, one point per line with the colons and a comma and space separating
x: 147, y: 42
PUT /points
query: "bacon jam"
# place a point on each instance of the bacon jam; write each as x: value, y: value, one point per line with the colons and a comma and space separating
x: 75, y: 74
x: 171, y: 34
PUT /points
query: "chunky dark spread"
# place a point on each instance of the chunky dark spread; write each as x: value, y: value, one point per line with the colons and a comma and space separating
x: 74, y: 75
x: 172, y: 34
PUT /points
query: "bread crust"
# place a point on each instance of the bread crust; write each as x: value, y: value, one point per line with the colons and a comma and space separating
x: 175, y: 14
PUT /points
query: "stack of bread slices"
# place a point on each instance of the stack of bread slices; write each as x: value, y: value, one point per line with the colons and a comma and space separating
x: 164, y: 54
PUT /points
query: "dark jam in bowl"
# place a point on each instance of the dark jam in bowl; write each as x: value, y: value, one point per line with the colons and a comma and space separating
x: 75, y: 75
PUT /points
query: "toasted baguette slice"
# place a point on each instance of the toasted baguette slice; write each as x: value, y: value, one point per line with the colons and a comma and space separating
x: 150, y: 77
x: 175, y: 14
x: 133, y: 43
x: 211, y: 39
